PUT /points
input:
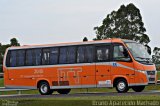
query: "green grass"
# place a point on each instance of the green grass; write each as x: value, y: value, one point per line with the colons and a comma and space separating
x: 1, y: 82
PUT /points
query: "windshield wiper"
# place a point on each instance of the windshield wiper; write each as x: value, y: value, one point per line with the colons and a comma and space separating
x: 143, y: 58
x: 146, y: 59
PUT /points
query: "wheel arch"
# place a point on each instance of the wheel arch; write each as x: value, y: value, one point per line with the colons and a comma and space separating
x: 119, y: 77
x: 42, y: 80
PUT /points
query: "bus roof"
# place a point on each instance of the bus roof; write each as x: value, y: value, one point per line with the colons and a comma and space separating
x: 70, y: 43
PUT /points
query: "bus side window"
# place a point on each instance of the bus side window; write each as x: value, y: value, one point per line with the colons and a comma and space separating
x: 8, y: 59
x: 13, y: 58
x: 46, y: 56
x: 20, y: 57
x: 81, y: 54
x: 71, y: 54
x: 54, y: 55
x: 37, y: 57
x: 89, y: 54
x: 29, y: 57
x: 63, y: 55
x: 102, y: 53
x: 120, y: 53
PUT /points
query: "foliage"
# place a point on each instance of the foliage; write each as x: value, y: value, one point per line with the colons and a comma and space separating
x: 126, y: 23
x: 156, y: 55
x: 85, y: 39
x: 14, y: 42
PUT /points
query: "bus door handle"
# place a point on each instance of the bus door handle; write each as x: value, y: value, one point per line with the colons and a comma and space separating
x: 96, y: 70
x: 84, y: 76
x: 108, y: 70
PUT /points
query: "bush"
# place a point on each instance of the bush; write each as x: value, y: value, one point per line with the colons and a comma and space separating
x: 1, y: 69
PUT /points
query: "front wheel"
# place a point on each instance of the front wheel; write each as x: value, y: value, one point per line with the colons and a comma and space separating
x: 63, y: 91
x: 122, y: 86
x: 138, y: 88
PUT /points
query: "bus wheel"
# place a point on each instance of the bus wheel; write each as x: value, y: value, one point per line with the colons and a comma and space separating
x: 63, y: 91
x: 138, y: 88
x: 44, y: 88
x: 122, y: 86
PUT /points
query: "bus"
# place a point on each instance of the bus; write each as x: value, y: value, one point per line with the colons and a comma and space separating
x: 118, y: 63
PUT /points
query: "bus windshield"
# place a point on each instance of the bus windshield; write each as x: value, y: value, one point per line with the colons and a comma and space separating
x: 139, y: 52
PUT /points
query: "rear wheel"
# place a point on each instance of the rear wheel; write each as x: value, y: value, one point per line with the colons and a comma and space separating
x: 122, y: 86
x: 138, y: 88
x: 44, y: 88
x: 63, y: 91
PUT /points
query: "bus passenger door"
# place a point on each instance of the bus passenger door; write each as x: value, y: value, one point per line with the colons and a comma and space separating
x: 103, y: 67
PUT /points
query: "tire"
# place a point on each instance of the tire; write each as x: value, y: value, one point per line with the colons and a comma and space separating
x: 44, y: 88
x: 138, y: 88
x: 63, y: 91
x: 122, y: 86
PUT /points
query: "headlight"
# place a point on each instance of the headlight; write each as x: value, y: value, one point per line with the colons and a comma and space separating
x: 142, y: 71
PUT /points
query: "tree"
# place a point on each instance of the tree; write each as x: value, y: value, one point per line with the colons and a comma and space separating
x: 125, y: 23
x: 156, y: 55
x: 85, y: 39
x: 14, y: 42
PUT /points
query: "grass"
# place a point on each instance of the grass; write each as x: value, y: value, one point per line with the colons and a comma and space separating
x: 1, y: 82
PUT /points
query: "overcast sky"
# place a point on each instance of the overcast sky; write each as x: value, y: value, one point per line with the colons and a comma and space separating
x: 53, y: 21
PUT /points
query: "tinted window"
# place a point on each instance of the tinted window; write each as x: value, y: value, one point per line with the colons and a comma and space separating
x: 85, y: 54
x: 63, y: 55
x: 53, y: 55
x: 102, y: 53
x: 120, y: 53
x: 46, y: 56
x: 29, y: 57
x: 37, y: 56
x: 13, y: 59
x: 8, y: 59
x: 89, y: 54
x: 20, y: 57
x: 81, y: 54
x: 71, y: 55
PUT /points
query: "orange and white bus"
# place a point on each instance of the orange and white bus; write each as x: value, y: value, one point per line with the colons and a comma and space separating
x: 118, y: 63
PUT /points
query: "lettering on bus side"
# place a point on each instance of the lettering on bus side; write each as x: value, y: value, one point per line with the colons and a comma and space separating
x: 38, y: 71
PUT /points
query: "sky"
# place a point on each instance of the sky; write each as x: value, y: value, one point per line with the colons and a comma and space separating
x: 55, y: 21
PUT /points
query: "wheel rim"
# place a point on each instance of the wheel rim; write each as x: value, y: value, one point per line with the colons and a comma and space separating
x: 121, y: 86
x: 44, y: 88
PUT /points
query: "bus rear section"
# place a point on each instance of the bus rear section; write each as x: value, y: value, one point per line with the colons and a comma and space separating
x: 107, y: 63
